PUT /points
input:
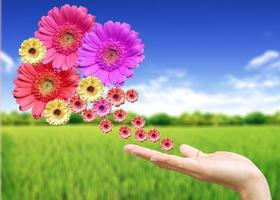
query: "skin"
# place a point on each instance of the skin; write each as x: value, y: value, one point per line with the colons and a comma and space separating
x: 229, y: 169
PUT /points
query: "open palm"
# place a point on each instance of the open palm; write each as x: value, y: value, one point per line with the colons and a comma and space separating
x: 225, y: 168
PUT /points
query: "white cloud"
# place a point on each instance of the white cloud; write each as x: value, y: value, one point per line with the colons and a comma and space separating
x: 263, y: 59
x: 256, y: 82
x: 6, y: 62
x: 161, y: 95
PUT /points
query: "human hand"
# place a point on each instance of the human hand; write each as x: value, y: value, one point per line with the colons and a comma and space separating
x: 225, y: 168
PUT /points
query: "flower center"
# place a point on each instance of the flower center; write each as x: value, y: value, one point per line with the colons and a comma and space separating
x: 32, y: 51
x: 153, y: 135
x: 111, y: 55
x: 120, y: 115
x: 89, y: 115
x: 46, y: 86
x: 131, y: 95
x: 101, y: 107
x: 167, y: 144
x: 90, y: 89
x: 77, y: 103
x: 125, y: 132
x: 67, y: 39
x: 57, y: 112
x: 106, y: 126
x: 138, y: 122
x: 141, y: 135
x: 116, y: 96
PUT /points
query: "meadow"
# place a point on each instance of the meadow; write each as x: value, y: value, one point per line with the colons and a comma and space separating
x: 81, y: 163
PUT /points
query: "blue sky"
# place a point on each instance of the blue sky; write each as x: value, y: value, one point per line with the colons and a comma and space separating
x: 201, y: 51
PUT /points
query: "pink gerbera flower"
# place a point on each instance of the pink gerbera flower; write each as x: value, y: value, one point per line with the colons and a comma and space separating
x: 124, y: 132
x: 89, y: 115
x: 105, y: 125
x: 131, y: 95
x: 153, y: 135
x: 102, y: 107
x: 62, y: 32
x: 76, y: 104
x: 36, y: 85
x: 110, y: 52
x: 167, y: 144
x: 138, y: 122
x: 119, y: 115
x: 116, y: 96
x: 140, y: 135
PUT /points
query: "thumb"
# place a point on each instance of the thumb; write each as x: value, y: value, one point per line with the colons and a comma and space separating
x: 189, y: 151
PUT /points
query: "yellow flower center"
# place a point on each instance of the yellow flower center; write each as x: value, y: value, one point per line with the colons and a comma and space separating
x: 46, y: 87
x: 68, y: 39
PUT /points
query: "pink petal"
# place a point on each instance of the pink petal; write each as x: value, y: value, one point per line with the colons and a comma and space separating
x: 125, y: 71
x: 59, y: 61
x: 50, y: 55
x: 38, y: 108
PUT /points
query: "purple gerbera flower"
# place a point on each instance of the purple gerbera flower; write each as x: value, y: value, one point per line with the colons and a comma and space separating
x: 110, y: 52
x: 102, y: 107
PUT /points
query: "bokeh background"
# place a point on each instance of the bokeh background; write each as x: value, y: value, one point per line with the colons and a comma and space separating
x: 210, y: 78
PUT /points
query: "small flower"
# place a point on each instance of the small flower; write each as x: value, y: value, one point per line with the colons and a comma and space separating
x: 111, y: 52
x: 90, y: 89
x: 57, y: 112
x: 120, y: 115
x: 131, y: 95
x: 167, y: 144
x: 116, y: 96
x: 106, y: 125
x: 138, y: 122
x: 62, y: 32
x: 125, y: 132
x: 102, y: 107
x: 140, y: 135
x: 89, y: 115
x: 32, y: 51
x: 76, y: 104
x: 153, y: 135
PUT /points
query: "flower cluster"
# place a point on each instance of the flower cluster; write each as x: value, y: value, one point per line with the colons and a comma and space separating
x: 69, y: 41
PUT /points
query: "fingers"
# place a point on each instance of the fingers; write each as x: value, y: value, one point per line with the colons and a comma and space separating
x: 140, y: 151
x: 177, y: 163
x: 189, y: 151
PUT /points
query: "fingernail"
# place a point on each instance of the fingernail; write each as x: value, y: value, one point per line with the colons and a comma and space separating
x: 127, y: 148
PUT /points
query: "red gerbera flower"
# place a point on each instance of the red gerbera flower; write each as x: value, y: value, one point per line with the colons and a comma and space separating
x: 140, y: 135
x: 167, y: 144
x: 76, y: 104
x: 105, y: 125
x: 116, y: 96
x: 131, y: 95
x: 120, y: 115
x: 124, y: 132
x: 153, y: 135
x: 138, y: 122
x: 89, y: 115
x: 36, y: 85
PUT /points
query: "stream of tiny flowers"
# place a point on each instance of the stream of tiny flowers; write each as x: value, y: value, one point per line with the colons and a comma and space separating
x: 68, y: 65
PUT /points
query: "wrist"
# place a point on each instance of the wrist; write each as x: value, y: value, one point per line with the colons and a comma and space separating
x: 256, y: 189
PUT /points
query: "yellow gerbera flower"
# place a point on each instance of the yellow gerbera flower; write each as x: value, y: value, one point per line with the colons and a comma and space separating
x: 32, y: 51
x: 57, y: 112
x: 90, y: 89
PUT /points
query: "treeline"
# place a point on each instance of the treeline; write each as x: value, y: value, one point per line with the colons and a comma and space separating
x: 185, y: 119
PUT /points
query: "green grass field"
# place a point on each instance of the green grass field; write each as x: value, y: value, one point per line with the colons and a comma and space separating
x: 79, y: 162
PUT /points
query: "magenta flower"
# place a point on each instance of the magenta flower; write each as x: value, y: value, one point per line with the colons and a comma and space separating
x: 102, y: 107
x: 62, y: 32
x: 110, y: 52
